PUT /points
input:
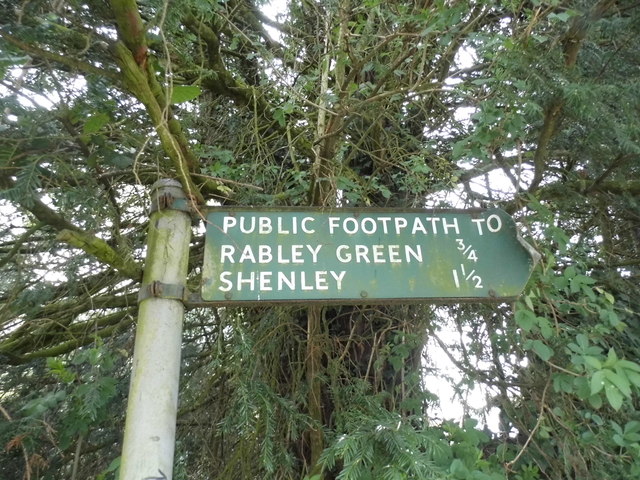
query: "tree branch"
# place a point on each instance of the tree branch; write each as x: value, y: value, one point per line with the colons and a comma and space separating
x: 82, y: 333
x: 571, y: 42
x: 102, y: 251
x: 17, y: 245
x: 78, y: 238
x: 71, y: 62
x: 175, y: 145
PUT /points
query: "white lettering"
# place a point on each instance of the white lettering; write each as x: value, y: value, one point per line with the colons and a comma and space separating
x: 378, y: 254
x: 346, y: 228
x: 498, y: 223
x: 281, y: 229
x: 434, y: 220
x: 281, y: 258
x: 243, y: 225
x: 265, y: 281
x: 314, y: 252
x: 478, y: 222
x: 228, y: 284
x: 494, y: 223
x: 264, y: 254
x: 282, y: 254
x: 385, y: 223
x: 321, y: 280
x: 296, y: 254
x: 290, y: 281
x: 394, y: 254
x: 454, y: 225
x: 251, y: 281
x: 265, y: 225
x: 303, y: 282
x: 247, y: 254
x: 305, y: 228
x: 338, y: 278
x: 226, y: 253
x: 372, y: 225
x: 343, y: 258
x: 333, y: 224
x: 410, y: 252
x: 362, y: 254
x: 418, y: 225
x: 401, y: 223
x: 227, y: 223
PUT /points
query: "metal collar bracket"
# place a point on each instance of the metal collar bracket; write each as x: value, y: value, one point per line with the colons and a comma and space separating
x: 167, y: 194
x: 166, y: 201
x: 168, y: 291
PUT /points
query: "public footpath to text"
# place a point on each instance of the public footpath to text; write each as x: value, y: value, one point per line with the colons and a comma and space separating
x: 361, y: 256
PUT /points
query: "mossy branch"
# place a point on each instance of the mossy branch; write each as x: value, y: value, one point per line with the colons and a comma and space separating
x: 131, y: 29
x: 175, y: 146
x: 74, y: 64
x: 132, y: 55
x: 102, y: 327
x: 224, y: 83
x: 102, y: 251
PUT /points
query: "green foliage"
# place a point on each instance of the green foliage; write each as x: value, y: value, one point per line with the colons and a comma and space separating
x: 372, y: 442
x: 77, y: 408
x: 528, y: 106
x: 113, y: 468
x: 184, y: 93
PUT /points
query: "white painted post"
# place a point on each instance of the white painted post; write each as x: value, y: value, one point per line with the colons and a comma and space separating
x: 150, y: 428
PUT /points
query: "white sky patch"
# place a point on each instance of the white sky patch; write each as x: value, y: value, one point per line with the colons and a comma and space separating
x: 464, y: 114
x: 459, y: 397
x: 275, y: 10
x: 48, y: 99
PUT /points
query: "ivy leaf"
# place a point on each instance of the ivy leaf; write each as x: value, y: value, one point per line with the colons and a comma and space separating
x: 278, y: 115
x: 592, y: 362
x: 95, y: 123
x: 582, y: 340
x: 634, y: 377
x: 545, y: 327
x: 525, y: 319
x: 614, y: 396
x: 184, y: 93
x: 621, y: 382
x: 562, y: 16
x: 595, y: 401
x: 628, y: 365
x: 579, y: 281
x: 612, y: 358
x: 597, y: 382
x: 458, y: 469
x: 542, y: 350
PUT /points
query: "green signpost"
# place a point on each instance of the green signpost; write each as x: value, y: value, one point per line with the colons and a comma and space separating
x: 298, y: 255
x: 362, y: 256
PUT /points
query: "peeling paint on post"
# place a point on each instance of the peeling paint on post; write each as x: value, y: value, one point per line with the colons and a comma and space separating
x: 362, y: 255
x: 149, y: 436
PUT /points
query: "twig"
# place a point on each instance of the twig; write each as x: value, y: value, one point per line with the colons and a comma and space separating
x: 568, y: 372
x: 27, y: 472
x: 226, y: 180
x: 508, y: 465
x: 76, y: 457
